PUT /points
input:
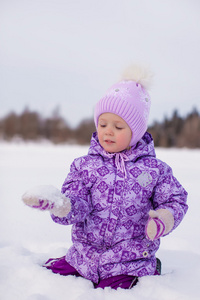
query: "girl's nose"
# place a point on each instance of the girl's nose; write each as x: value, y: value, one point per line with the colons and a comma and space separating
x: 109, y: 131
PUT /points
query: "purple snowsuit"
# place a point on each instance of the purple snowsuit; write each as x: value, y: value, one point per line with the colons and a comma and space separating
x: 111, y: 195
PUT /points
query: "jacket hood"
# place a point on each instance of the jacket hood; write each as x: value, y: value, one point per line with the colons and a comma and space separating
x: 145, y: 147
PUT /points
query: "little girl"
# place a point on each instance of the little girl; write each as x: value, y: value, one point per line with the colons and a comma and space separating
x: 120, y: 198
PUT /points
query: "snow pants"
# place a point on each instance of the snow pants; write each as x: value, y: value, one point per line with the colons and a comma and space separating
x: 60, y: 266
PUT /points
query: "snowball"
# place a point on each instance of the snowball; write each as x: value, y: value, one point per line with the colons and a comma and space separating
x: 45, y: 192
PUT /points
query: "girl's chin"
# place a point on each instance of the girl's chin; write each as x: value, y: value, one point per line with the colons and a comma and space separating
x: 111, y: 147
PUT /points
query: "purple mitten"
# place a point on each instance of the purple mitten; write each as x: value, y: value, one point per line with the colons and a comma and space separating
x: 160, y: 223
x: 47, y: 197
x: 39, y: 203
x: 154, y: 228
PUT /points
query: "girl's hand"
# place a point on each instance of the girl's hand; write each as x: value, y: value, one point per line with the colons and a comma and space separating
x: 160, y: 223
x: 49, y: 198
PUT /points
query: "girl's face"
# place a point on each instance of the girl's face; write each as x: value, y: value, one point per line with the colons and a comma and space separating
x: 114, y: 134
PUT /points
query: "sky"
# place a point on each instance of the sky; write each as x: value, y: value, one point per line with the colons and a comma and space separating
x: 65, y: 54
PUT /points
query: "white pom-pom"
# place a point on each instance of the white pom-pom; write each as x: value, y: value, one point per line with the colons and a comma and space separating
x: 140, y: 74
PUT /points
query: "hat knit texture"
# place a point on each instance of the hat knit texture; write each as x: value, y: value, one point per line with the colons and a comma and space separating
x: 130, y: 100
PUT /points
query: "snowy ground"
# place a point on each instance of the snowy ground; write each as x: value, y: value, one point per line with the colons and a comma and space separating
x: 28, y: 237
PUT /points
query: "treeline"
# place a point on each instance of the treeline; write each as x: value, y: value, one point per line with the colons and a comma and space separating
x: 31, y: 125
x: 175, y: 131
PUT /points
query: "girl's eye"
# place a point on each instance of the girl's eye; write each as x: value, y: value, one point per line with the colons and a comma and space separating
x: 119, y: 128
x: 101, y: 125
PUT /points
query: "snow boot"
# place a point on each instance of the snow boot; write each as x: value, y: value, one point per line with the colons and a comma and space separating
x: 158, y: 266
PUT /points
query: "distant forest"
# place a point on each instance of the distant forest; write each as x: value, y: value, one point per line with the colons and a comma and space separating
x: 175, y: 131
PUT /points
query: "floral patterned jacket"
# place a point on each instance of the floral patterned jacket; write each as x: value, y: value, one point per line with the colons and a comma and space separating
x: 111, y: 195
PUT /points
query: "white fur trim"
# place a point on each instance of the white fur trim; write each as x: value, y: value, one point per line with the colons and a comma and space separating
x: 139, y: 73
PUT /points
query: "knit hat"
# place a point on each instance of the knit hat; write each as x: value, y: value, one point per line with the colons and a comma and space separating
x: 130, y: 100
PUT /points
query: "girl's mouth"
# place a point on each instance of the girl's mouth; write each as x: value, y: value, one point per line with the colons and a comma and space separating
x: 109, y: 142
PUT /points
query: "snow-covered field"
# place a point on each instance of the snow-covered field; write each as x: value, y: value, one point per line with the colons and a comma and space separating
x: 28, y: 237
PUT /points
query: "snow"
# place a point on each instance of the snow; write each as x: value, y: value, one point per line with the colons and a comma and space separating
x: 47, y: 193
x: 29, y: 237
